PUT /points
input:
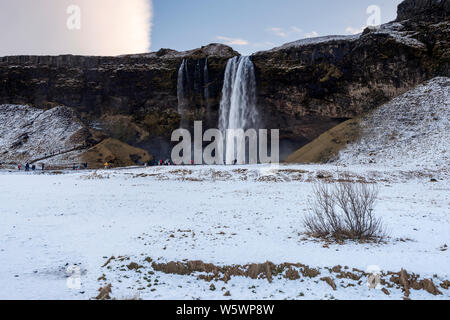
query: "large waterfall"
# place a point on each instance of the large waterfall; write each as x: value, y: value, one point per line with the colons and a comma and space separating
x: 183, y: 91
x: 238, y: 105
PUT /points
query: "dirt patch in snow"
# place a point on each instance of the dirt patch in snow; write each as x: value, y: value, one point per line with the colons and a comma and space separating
x: 337, y: 277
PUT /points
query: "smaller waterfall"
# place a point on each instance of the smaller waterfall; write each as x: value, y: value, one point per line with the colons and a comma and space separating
x: 183, y: 91
x: 206, y: 91
x: 238, y: 105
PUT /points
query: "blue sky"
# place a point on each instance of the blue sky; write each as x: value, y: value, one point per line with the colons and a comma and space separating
x: 254, y: 25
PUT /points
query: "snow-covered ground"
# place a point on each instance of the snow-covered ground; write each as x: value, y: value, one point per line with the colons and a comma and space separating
x: 220, y: 215
x: 412, y: 129
x: 28, y: 134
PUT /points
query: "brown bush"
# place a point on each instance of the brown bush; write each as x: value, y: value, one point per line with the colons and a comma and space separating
x: 344, y: 210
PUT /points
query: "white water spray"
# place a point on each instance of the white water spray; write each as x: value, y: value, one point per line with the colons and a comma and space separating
x: 206, y: 91
x: 238, y: 105
x: 182, y: 91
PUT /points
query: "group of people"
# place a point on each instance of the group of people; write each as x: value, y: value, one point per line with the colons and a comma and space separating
x: 31, y: 167
x: 82, y: 166
x: 155, y: 163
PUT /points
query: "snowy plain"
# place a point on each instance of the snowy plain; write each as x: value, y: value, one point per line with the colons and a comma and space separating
x: 223, y: 215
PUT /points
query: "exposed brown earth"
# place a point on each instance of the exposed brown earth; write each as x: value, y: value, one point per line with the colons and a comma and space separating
x: 295, y: 272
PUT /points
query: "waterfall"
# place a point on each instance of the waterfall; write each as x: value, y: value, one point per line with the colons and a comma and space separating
x: 183, y: 91
x: 206, y: 91
x: 238, y: 105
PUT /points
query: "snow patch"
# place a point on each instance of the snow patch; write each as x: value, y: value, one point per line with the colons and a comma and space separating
x: 411, y: 130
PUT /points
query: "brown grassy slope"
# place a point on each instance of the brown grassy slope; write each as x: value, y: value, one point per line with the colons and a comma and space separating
x: 115, y: 152
x: 328, y: 145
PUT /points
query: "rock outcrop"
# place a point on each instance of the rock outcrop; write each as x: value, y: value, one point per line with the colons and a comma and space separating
x: 304, y: 88
x: 309, y: 86
x: 424, y: 10
x: 58, y: 139
x: 412, y: 129
x: 107, y: 90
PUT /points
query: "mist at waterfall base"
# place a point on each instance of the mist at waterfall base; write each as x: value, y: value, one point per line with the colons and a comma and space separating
x: 238, y: 105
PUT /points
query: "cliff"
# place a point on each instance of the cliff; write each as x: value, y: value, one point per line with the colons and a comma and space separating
x: 311, y: 85
x: 304, y: 88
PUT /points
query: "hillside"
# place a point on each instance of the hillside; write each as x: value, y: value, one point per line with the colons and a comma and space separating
x: 412, y: 129
x: 57, y: 138
x: 28, y: 134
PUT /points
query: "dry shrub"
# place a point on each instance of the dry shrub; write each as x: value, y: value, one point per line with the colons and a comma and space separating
x: 344, y: 210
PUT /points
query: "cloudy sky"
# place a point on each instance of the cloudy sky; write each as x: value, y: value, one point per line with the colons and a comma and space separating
x: 90, y: 27
x: 112, y: 27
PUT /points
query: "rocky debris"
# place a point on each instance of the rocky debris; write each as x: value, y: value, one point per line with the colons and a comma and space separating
x: 428, y: 285
x: 133, y: 266
x: 253, y: 271
x: 108, y: 261
x: 411, y: 281
x: 445, y: 285
x: 291, y: 271
x: 104, y: 293
x: 329, y: 281
x: 386, y: 291
x: 292, y: 274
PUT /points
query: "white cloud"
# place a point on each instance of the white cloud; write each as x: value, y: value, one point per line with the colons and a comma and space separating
x: 108, y: 27
x: 312, y: 34
x: 266, y: 44
x: 282, y: 33
x: 232, y: 41
x: 352, y: 30
x: 296, y: 29
x: 279, y: 32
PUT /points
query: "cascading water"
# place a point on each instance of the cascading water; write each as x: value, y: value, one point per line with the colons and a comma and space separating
x: 183, y: 91
x: 238, y: 105
x: 206, y: 91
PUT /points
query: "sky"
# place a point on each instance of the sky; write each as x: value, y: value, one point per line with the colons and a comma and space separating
x: 113, y: 27
x: 87, y: 27
x: 254, y: 25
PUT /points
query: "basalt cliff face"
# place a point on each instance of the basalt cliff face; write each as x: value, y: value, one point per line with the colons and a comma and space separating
x: 304, y: 88
x: 131, y: 98
x: 309, y: 85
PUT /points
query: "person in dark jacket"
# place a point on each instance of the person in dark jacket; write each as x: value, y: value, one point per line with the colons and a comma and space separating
x: 27, y: 167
